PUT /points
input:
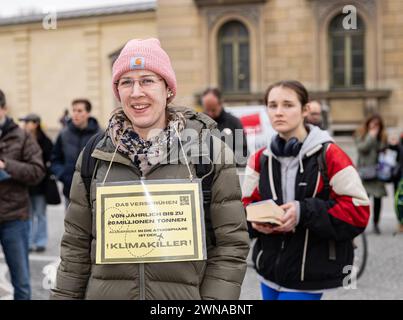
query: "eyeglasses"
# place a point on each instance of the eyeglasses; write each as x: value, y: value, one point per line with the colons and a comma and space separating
x: 146, y: 82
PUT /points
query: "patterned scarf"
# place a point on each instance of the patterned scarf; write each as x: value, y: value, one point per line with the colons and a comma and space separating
x: 144, y: 153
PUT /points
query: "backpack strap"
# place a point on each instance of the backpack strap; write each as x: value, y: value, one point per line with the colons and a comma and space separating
x: 323, y: 170
x: 326, y: 191
x: 206, y: 173
x: 88, y: 163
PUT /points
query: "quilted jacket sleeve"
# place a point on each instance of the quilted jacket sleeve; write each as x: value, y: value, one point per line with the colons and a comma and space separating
x: 30, y: 169
x: 75, y: 265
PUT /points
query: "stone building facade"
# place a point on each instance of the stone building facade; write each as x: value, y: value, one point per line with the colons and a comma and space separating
x: 240, y: 46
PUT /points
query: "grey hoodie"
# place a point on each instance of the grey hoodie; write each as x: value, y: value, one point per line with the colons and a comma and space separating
x: 290, y: 165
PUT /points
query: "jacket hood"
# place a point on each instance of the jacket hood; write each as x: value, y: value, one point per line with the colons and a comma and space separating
x: 92, y: 126
x: 313, y: 143
x: 314, y: 140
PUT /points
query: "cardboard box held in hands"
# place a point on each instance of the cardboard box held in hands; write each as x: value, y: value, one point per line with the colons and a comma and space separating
x: 264, y: 212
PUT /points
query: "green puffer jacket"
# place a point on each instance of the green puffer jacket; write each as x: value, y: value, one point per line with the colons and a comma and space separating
x: 218, y: 277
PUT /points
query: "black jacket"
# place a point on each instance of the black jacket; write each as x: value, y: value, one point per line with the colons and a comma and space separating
x: 227, y: 121
x: 398, y: 173
x: 69, y: 144
x: 46, y: 146
x: 317, y: 255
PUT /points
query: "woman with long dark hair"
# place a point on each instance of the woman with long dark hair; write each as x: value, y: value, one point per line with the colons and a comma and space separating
x: 371, y: 139
x: 325, y: 204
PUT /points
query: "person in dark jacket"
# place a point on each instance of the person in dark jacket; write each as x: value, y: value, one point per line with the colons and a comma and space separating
x: 310, y: 250
x: 71, y: 140
x: 396, y: 144
x: 39, y: 233
x: 230, y: 127
x: 21, y: 165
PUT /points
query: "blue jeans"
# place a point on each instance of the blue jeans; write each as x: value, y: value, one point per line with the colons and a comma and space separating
x: 39, y: 232
x: 14, y: 240
x: 271, y: 294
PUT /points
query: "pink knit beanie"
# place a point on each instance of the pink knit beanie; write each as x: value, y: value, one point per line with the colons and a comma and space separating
x: 145, y: 54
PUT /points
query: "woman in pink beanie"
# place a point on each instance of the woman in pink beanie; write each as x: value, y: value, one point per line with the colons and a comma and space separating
x: 144, y: 103
x: 146, y: 139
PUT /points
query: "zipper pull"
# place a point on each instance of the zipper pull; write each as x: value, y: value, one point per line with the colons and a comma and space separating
x: 282, y: 245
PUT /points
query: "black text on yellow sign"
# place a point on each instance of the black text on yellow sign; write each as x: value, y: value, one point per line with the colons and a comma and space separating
x: 150, y: 221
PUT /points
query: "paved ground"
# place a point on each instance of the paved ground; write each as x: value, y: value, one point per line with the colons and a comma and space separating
x: 43, y: 265
x: 383, y: 277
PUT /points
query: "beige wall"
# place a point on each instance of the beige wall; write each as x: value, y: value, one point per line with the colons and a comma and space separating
x: 53, y: 67
x: 347, y: 110
x: 287, y: 42
x: 57, y: 72
x: 178, y: 24
x: 8, y: 64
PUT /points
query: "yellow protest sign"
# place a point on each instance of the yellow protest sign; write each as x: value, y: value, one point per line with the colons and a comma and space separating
x: 149, y: 221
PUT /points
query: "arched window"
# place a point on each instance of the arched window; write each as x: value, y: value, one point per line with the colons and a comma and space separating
x: 347, y: 64
x: 233, y: 57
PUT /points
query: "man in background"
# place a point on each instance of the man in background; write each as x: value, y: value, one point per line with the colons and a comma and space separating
x: 71, y: 140
x: 227, y: 124
x: 315, y: 114
x: 21, y: 165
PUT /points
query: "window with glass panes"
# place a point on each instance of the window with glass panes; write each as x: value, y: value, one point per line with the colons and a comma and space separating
x: 233, y: 54
x: 346, y: 55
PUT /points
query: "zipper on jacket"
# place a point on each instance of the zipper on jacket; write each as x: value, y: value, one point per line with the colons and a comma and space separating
x: 286, y: 178
x: 141, y: 265
x: 277, y: 263
x: 142, y: 279
x: 307, y: 233
x: 282, y: 247
x: 142, y: 282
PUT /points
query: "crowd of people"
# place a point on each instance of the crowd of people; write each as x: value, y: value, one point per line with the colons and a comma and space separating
x: 324, y: 196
